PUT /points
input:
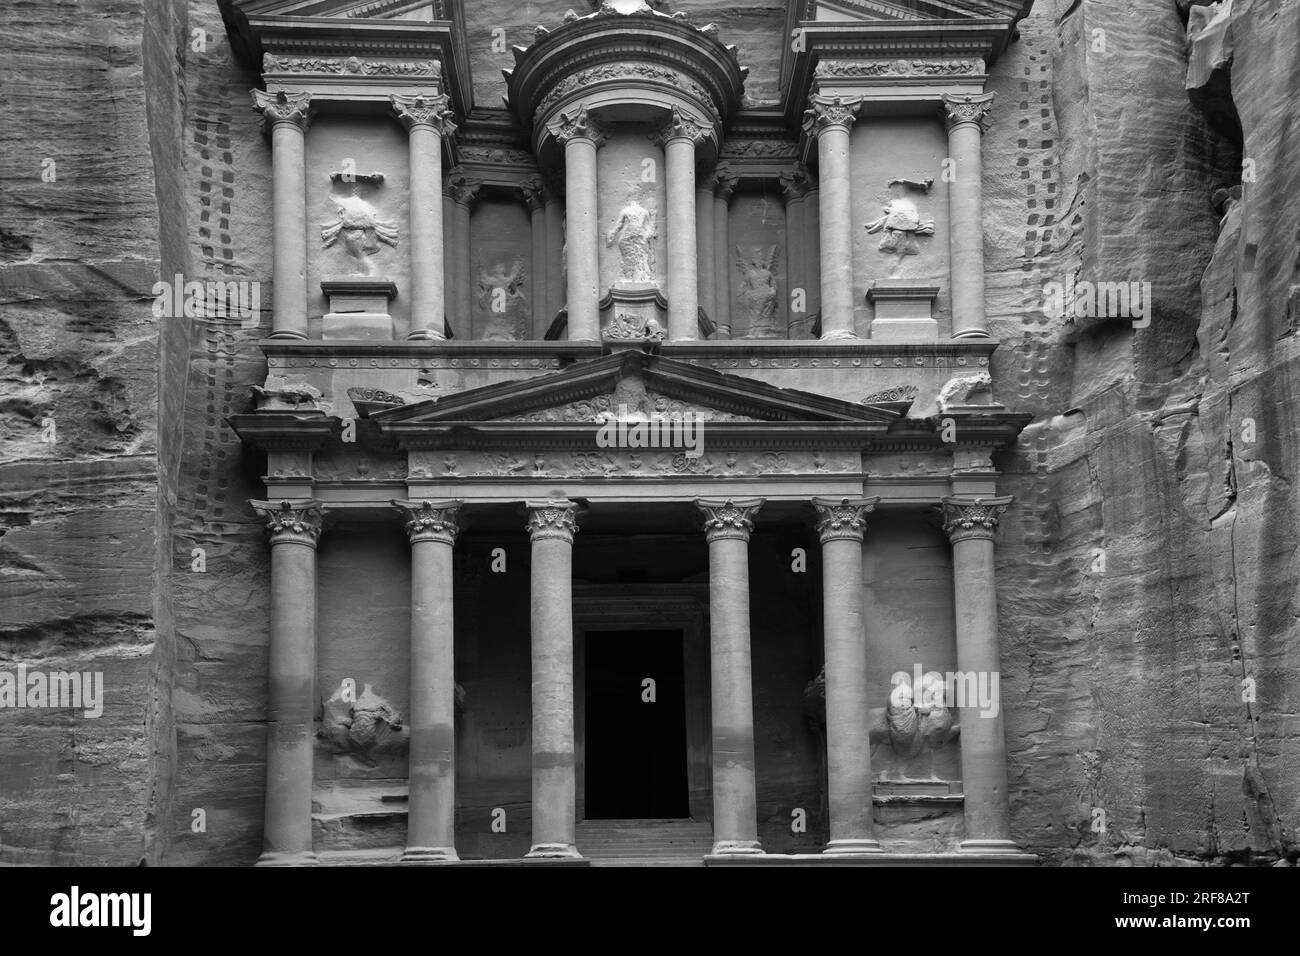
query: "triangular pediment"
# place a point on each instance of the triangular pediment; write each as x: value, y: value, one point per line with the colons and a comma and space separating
x: 598, y: 389
x: 346, y: 9
x: 877, y: 10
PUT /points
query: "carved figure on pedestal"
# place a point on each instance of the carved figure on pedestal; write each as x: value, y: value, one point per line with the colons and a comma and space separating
x: 902, y: 222
x: 363, y: 231
x: 758, y: 296
x: 501, y: 300
x: 635, y: 233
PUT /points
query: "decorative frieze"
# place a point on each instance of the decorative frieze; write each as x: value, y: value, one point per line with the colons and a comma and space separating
x: 295, y: 521
x: 896, y: 68
x: 348, y: 66
x: 845, y: 518
x: 621, y: 464
x: 634, y: 72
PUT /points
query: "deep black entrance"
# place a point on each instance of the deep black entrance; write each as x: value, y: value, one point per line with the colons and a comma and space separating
x: 635, y: 749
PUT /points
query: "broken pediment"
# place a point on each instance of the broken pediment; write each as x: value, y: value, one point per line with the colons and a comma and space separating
x: 351, y: 9
x: 634, y: 384
x: 851, y: 10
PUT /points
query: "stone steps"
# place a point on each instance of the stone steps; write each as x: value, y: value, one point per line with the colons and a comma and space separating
x: 645, y: 842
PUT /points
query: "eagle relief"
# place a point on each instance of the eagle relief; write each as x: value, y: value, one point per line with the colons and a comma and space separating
x: 758, y: 299
x: 502, y: 303
x: 902, y: 222
x: 358, y: 224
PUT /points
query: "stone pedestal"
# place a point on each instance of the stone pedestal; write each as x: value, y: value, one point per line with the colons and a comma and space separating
x: 904, y: 311
x: 727, y: 525
x: 358, y: 309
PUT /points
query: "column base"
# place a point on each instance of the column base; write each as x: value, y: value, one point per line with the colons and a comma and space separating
x: 972, y: 334
x: 840, y: 335
x: 418, y: 855
x: 988, y: 846
x: 287, y: 858
x: 288, y: 334
x: 553, y: 851
x: 424, y: 335
x: 852, y: 847
x: 736, y: 848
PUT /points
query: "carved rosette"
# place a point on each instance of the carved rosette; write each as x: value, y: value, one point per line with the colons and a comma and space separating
x: 578, y: 124
x: 967, y: 108
x: 288, y: 109
x: 830, y: 112
x: 552, y: 519
x: 965, y: 518
x: 420, y: 110
x: 430, y: 520
x: 730, y: 518
x: 843, y: 519
x: 682, y: 125
x: 292, y: 521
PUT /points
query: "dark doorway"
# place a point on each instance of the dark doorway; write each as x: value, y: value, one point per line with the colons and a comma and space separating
x: 635, y: 748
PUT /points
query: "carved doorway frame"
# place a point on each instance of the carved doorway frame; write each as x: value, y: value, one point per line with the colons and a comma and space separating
x: 651, y: 607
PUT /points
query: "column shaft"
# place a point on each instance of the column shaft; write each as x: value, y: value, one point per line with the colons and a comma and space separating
x: 450, y: 293
x: 848, y: 716
x: 812, y: 257
x: 796, y: 319
x: 725, y: 183
x: 971, y: 526
x: 287, y: 114
x: 426, y: 119
x: 735, y: 803
x: 431, y: 806
x: 683, y: 284
x: 464, y: 287
x: 704, y: 252
x: 551, y: 525
x: 556, y: 281
x: 965, y: 221
x: 584, y: 243
x: 291, y: 704
x: 541, y: 275
x: 832, y: 121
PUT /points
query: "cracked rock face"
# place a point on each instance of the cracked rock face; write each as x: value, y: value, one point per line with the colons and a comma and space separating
x: 1148, y: 576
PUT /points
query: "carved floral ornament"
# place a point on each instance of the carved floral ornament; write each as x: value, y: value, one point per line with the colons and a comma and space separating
x: 293, y: 109
x: 973, y: 517
x: 827, y: 112
x: 631, y: 72
x: 578, y: 124
x: 904, y: 67
x: 350, y: 65
x: 843, y: 519
x: 552, y: 519
x: 430, y: 520
x: 729, y: 518
x: 682, y: 125
x: 967, y: 108
x: 420, y: 110
x: 292, y: 520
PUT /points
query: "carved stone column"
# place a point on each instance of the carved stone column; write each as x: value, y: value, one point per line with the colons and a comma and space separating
x: 812, y: 256
x: 830, y: 120
x: 463, y: 191
x: 965, y: 116
x: 449, y: 274
x: 427, y: 121
x: 535, y: 199
x: 704, y: 251
x: 971, y: 524
x: 581, y: 136
x: 551, y: 526
x: 727, y: 524
x: 841, y: 525
x: 556, y: 280
x: 724, y: 184
x: 794, y: 190
x: 295, y: 526
x: 287, y: 115
x: 431, y: 808
x: 679, y: 137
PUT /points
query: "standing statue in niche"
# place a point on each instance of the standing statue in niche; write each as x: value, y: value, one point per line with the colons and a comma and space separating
x: 635, y: 232
x: 758, y: 297
x: 362, y: 230
x: 902, y: 221
x: 503, y: 303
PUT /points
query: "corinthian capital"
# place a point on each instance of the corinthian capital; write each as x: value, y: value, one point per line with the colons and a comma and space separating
x: 967, y: 108
x: 430, y: 520
x: 292, y: 520
x: 533, y: 192
x: 554, y: 518
x: 420, y: 110
x: 682, y: 125
x: 828, y: 112
x: 460, y: 187
x: 973, y: 517
x: 577, y: 124
x: 795, y: 183
x: 843, y: 518
x: 729, y: 518
x: 293, y: 109
x: 723, y: 181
